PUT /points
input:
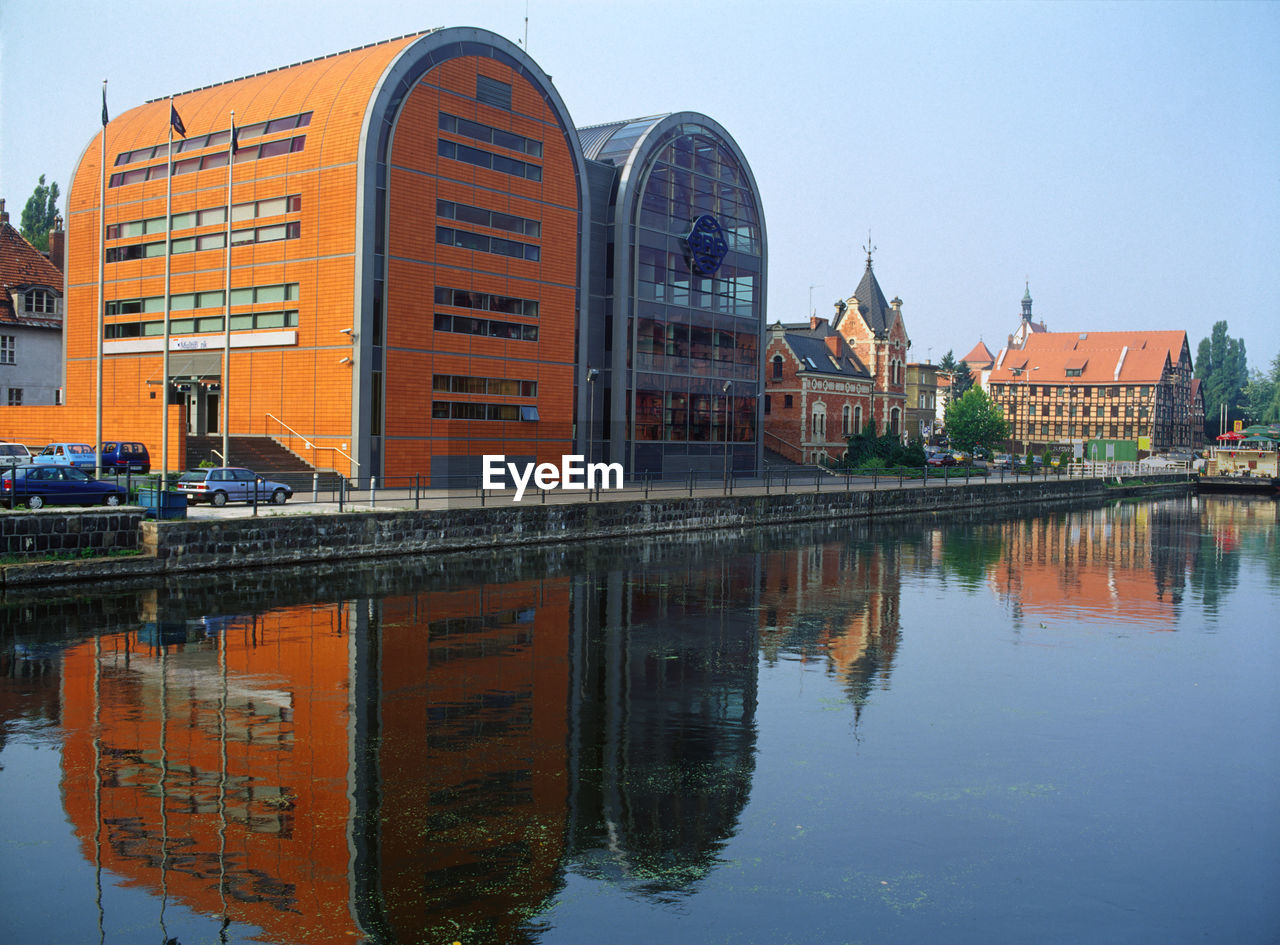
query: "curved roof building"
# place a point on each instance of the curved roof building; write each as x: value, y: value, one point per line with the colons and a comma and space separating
x: 404, y: 266
x: 408, y: 263
x: 680, y: 301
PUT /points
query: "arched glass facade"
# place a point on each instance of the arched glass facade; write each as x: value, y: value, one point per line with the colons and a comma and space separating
x: 689, y: 248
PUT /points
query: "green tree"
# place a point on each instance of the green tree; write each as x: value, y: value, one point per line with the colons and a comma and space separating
x: 948, y: 362
x: 975, y: 420
x: 39, y: 214
x: 1261, y: 402
x: 1223, y: 370
x: 961, y: 381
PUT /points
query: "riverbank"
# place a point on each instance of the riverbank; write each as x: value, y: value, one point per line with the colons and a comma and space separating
x: 174, y: 547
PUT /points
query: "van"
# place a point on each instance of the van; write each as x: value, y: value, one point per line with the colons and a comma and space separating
x: 123, y: 456
x: 14, y: 454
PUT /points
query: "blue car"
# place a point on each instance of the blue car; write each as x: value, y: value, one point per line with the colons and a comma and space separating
x: 38, y: 486
x: 80, y: 455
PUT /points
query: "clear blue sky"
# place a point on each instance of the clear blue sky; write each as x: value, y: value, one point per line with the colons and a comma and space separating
x: 1123, y: 157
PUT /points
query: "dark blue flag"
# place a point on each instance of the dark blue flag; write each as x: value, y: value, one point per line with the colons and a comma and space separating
x: 105, y: 119
x: 176, y: 120
x: 235, y: 138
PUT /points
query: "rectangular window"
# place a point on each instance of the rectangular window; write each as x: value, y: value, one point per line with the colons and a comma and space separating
x: 490, y: 218
x: 15, y: 396
x: 506, y: 305
x: 487, y: 159
x: 8, y: 348
x: 492, y: 92
x: 462, y: 325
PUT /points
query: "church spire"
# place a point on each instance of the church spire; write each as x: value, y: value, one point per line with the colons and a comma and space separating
x: 1026, y: 303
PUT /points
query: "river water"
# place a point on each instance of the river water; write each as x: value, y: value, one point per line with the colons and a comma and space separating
x: 1054, y: 728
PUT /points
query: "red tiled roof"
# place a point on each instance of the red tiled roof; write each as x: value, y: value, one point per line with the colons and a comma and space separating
x: 980, y: 355
x: 21, y: 264
x: 1101, y: 357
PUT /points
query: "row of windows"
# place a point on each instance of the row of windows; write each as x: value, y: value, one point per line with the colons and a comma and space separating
x: 496, y: 386
x: 490, y: 135
x: 488, y: 327
x: 191, y: 244
x: 240, y: 212
x: 194, y: 326
x: 465, y: 410
x: 250, y: 295
x: 1059, y: 410
x: 1046, y: 390
x: 196, y: 142
x: 465, y: 239
x: 487, y: 159
x: 490, y: 218
x: 1113, y: 431
x: 217, y: 159
x: 484, y: 301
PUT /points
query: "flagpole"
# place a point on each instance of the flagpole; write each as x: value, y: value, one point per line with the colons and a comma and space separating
x: 164, y: 361
x: 102, y: 302
x: 226, y: 336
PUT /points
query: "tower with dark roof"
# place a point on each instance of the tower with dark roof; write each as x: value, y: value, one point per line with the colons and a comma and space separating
x: 877, y: 334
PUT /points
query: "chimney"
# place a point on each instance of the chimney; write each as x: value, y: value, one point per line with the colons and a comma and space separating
x: 57, y: 243
x: 833, y: 345
x: 814, y: 322
x: 4, y: 214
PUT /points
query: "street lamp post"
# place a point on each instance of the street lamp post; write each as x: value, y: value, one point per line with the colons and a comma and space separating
x: 592, y: 374
x: 1026, y: 378
x: 728, y: 385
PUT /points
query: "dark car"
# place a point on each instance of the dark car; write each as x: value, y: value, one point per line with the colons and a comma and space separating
x: 124, y: 456
x: 38, y: 486
x: 940, y: 458
x: 224, y: 484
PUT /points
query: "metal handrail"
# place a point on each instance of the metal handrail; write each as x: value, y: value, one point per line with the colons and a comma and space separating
x: 311, y: 446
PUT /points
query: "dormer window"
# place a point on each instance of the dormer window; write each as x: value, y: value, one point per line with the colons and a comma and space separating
x: 41, y: 302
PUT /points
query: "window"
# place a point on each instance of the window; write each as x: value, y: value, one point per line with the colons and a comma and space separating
x: 490, y: 135
x: 465, y: 239
x: 846, y: 420
x: 497, y: 386
x: 857, y: 419
x: 467, y: 410
x: 487, y: 159
x: 491, y: 218
x: 8, y: 348
x: 819, y: 421
x: 506, y: 305
x: 777, y: 367
x: 41, y: 302
x: 492, y: 328
x: 492, y: 92
x: 15, y: 396
x: 786, y: 401
x: 768, y: 405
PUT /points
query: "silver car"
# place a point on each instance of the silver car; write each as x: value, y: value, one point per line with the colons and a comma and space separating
x: 224, y: 484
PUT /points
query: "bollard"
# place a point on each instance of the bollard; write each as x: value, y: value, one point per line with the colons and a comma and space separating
x: 342, y: 491
x: 417, y: 490
x: 926, y: 475
x: 373, y: 491
x: 315, y: 488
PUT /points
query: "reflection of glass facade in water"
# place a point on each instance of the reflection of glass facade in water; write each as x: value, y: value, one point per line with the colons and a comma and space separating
x: 675, y: 334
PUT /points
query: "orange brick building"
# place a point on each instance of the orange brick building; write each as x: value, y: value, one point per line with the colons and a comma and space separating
x: 404, y: 267
x: 387, y: 269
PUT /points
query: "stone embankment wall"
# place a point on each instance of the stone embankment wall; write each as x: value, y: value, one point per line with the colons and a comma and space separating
x: 50, y: 532
x: 203, y: 545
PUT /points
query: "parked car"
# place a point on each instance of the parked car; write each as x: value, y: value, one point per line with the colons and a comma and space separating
x: 14, y: 454
x: 940, y: 458
x: 1003, y: 461
x: 80, y: 455
x: 126, y: 457
x: 38, y: 486
x: 961, y: 457
x: 224, y: 484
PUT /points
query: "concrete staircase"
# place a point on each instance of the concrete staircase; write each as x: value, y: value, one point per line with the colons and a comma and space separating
x: 264, y: 455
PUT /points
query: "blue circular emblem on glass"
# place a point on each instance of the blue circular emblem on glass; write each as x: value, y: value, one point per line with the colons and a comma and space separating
x: 707, y: 245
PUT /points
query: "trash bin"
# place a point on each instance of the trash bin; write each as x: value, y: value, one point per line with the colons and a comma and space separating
x: 162, y: 504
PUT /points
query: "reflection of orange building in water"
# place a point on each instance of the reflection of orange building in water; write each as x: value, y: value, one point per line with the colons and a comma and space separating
x: 1115, y: 562
x: 839, y: 598
x: 330, y: 772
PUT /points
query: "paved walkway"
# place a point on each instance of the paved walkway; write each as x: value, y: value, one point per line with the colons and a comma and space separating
x: 303, y: 503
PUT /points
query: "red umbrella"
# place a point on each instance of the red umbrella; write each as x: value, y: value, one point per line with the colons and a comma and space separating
x: 1231, y: 435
